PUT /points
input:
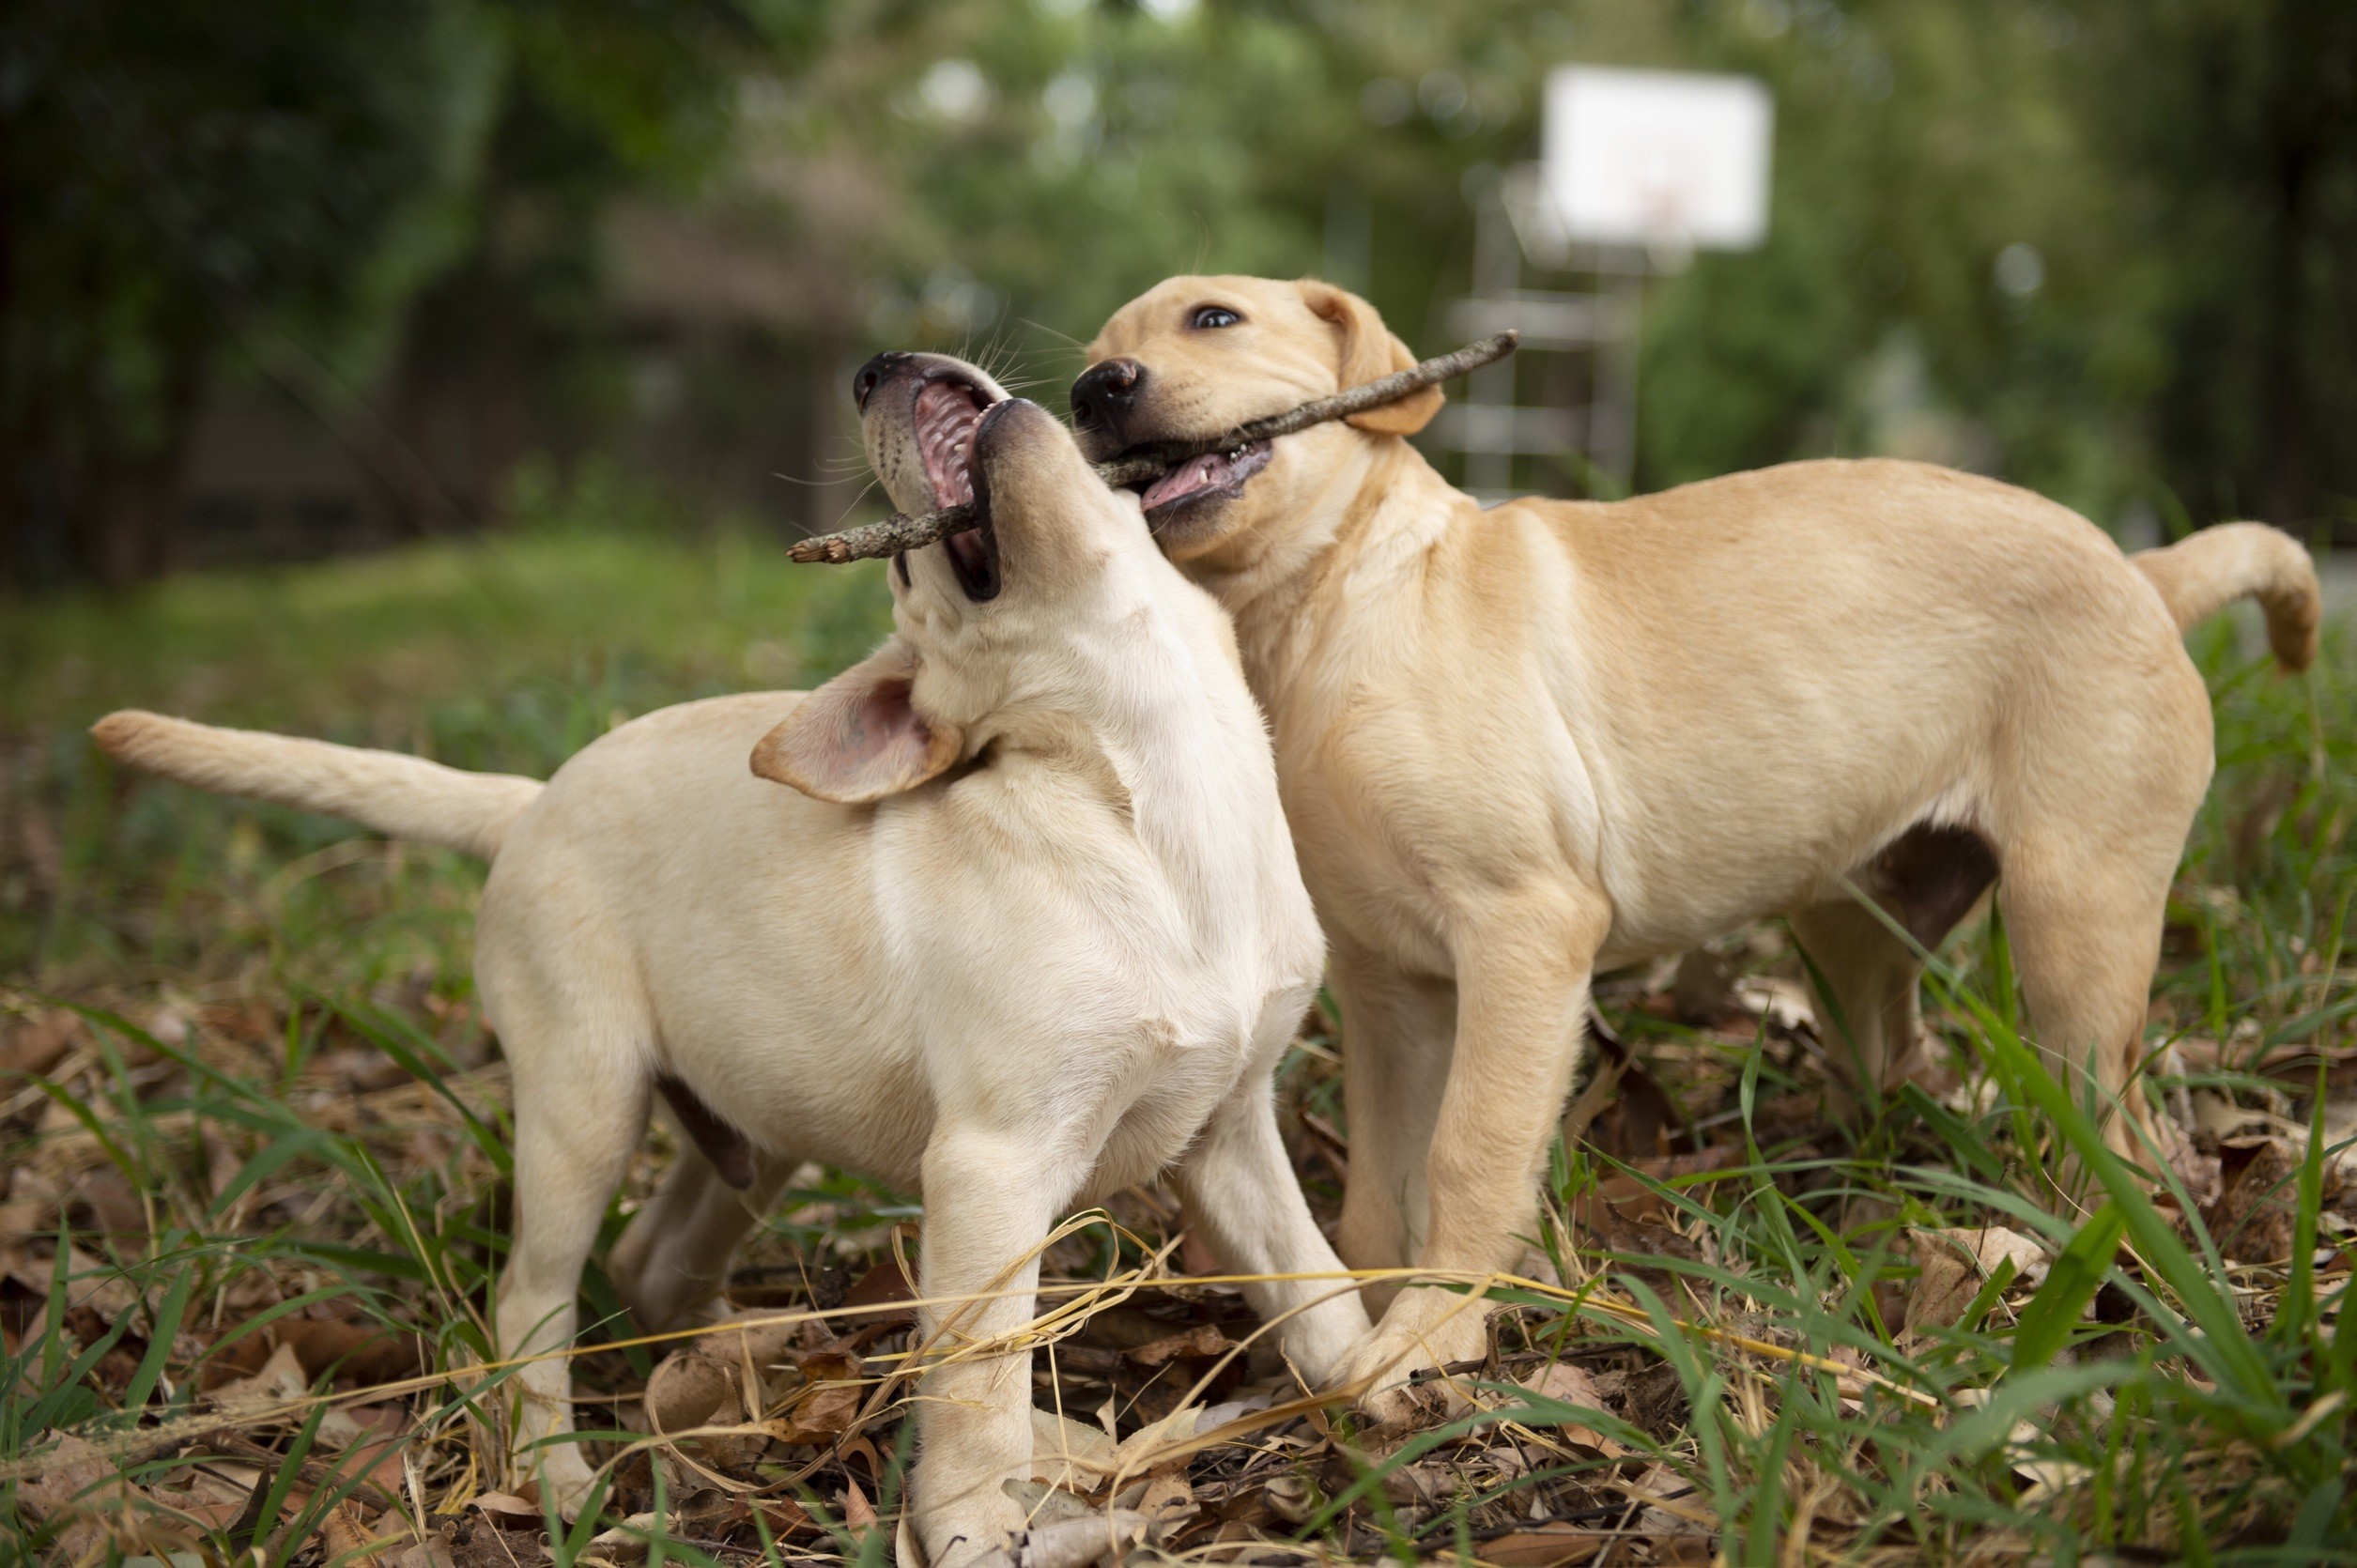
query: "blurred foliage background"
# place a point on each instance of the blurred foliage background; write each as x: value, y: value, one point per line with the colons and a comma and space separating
x: 282, y: 280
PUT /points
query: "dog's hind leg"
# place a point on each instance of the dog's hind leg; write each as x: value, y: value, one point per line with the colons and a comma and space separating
x: 1862, y: 988
x: 2085, y: 922
x: 675, y: 1253
x: 2090, y: 825
x: 635, y: 1264
x: 581, y: 1085
x: 1862, y: 974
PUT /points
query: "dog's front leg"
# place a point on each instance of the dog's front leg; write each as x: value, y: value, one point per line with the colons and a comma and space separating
x: 1239, y: 1189
x: 1522, y: 970
x: 990, y: 1195
x: 1398, y: 1032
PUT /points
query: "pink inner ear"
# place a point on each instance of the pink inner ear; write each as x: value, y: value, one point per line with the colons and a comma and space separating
x: 881, y: 728
x: 857, y: 738
x: 865, y: 740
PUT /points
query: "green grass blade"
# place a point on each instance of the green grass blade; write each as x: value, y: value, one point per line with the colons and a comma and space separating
x: 2076, y: 1274
x: 2297, y: 1309
x: 166, y: 1325
x: 2225, y: 1347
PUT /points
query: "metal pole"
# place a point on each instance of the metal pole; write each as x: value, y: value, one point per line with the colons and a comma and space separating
x: 1612, y: 438
x: 1497, y: 273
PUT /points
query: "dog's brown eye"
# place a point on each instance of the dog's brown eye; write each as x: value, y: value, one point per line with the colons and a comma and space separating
x: 1207, y: 316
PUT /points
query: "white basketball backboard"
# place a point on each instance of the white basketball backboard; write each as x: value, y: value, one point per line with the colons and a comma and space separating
x: 1657, y: 157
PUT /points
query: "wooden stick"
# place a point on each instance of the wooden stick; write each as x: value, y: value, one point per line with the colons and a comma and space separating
x: 902, y: 531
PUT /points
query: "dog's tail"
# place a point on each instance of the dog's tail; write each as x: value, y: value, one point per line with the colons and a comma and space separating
x: 2200, y: 575
x: 405, y: 797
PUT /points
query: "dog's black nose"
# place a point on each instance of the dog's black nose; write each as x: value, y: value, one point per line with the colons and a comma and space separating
x: 1105, y: 393
x: 871, y: 374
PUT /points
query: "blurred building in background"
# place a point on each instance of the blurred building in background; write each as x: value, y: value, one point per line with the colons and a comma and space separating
x: 278, y: 279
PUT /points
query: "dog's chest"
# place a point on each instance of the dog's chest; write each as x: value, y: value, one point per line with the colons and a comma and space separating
x: 1175, y: 1083
x: 1366, y: 851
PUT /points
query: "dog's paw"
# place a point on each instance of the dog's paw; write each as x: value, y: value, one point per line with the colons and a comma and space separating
x: 978, y: 1532
x: 1399, y: 1362
x: 1320, y: 1343
x: 565, y: 1478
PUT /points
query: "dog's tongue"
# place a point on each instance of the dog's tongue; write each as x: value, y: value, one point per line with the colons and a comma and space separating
x: 1196, y: 473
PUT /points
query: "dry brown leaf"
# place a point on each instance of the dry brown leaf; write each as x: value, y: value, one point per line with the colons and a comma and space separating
x: 830, y: 1403
x: 626, y: 1542
x: 359, y: 1353
x: 36, y: 1045
x: 508, y: 1511
x: 99, y: 1286
x: 68, y: 1489
x: 1068, y: 1452
x: 2255, y: 1214
x: 2216, y: 1118
x: 24, y: 1219
x: 1168, y: 1500
x: 1623, y: 1111
x: 1572, y: 1385
x: 881, y: 1285
x: 1671, y: 1506
x: 1137, y: 1452
x: 1955, y: 1264
x: 343, y: 1534
x: 782, y: 1515
x: 1287, y: 1496
x: 1783, y: 1003
x: 1200, y: 1342
x: 281, y: 1379
x: 707, y: 1515
x: 115, y: 1207
x: 1620, y: 1199
x: 210, y: 1511
x: 693, y: 1384
x: 433, y: 1552
x: 380, y: 1437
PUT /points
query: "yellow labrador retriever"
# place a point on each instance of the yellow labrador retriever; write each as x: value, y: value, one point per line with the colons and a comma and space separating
x: 1027, y: 930
x: 1524, y: 744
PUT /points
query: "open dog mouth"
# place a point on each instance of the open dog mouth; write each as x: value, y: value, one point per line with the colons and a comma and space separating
x: 949, y: 410
x: 1215, y: 473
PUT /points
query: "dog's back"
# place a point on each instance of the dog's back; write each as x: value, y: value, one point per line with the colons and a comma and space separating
x: 1905, y: 628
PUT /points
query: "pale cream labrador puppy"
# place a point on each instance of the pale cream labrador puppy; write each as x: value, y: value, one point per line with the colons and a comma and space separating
x: 1524, y: 744
x: 1028, y: 930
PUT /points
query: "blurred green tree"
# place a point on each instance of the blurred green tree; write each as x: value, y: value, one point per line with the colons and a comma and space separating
x: 2230, y: 127
x: 175, y: 178
x: 182, y: 185
x: 2103, y: 247
x: 2020, y: 235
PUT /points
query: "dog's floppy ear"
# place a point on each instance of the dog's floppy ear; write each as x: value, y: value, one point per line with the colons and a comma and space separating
x: 1370, y: 352
x: 857, y: 739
